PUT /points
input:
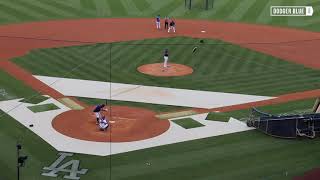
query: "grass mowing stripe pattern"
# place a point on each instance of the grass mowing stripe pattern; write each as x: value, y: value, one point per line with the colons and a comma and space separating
x: 88, y: 4
x: 168, y: 8
x: 241, y: 10
x: 228, y: 8
x: 254, y: 11
x: 188, y: 123
x: 281, y: 20
x: 251, y: 11
x: 66, y: 8
x: 14, y: 12
x: 11, y: 88
x: 43, y: 108
x: 200, y: 159
x: 24, y: 8
x: 130, y: 7
x: 40, y: 10
x: 117, y: 8
x: 35, y: 100
x: 224, y: 67
x: 141, y: 4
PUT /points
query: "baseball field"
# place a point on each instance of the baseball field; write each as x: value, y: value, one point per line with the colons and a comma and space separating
x: 61, y: 58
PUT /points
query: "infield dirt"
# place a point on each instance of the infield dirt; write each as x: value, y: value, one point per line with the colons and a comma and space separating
x: 292, y: 45
x: 172, y: 70
x: 129, y: 124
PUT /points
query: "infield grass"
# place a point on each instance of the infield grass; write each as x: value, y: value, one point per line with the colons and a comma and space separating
x: 246, y: 155
x: 218, y: 66
x: 225, y: 116
x: 188, y: 123
x: 293, y: 107
x: 34, y: 100
x: 43, y: 108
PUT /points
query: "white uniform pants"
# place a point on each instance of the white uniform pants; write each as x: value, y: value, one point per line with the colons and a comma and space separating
x: 98, y: 115
x: 165, y: 61
x: 158, y: 25
x: 173, y: 28
x: 103, y: 126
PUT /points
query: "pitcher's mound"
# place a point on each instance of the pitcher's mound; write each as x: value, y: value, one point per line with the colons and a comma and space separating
x: 157, y: 69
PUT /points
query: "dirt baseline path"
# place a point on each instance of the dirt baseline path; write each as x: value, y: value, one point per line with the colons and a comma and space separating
x: 290, y: 44
x: 293, y: 45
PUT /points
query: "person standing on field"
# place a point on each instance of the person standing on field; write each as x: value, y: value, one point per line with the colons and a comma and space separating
x: 172, y: 26
x: 165, y: 58
x: 158, y: 22
x: 166, y: 23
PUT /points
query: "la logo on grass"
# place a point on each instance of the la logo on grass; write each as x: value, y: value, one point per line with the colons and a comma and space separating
x: 70, y: 168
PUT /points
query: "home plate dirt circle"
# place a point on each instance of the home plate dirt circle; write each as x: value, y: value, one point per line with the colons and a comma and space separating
x: 157, y: 69
x: 127, y: 124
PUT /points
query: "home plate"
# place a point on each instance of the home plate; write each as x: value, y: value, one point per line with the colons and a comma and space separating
x: 203, y: 31
x: 112, y: 122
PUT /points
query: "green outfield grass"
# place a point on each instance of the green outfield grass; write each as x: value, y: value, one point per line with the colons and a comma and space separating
x: 218, y: 66
x: 11, y: 88
x: 246, y: 155
x: 248, y: 11
x: 39, y: 152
